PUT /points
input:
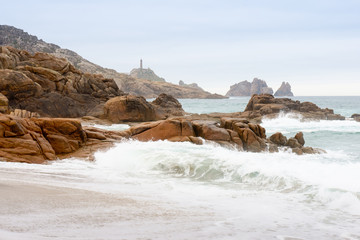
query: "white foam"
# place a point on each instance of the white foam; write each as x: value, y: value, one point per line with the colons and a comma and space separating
x: 244, y: 190
x: 294, y: 123
x: 113, y: 127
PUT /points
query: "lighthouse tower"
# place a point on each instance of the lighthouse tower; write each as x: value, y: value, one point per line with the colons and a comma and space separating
x: 141, y: 66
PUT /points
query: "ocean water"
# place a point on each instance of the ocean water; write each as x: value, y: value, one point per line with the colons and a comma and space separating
x: 165, y: 190
x: 345, y: 106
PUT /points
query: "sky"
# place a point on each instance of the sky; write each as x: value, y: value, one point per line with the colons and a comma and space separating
x: 314, y: 45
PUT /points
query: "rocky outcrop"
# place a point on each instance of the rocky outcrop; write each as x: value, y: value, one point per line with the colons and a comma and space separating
x: 136, y: 109
x: 36, y: 140
x: 146, y: 74
x: 150, y: 89
x: 11, y: 36
x: 284, y: 90
x: 356, y: 117
x: 246, y: 88
x: 231, y: 132
x: 167, y: 105
x: 191, y: 85
x: 51, y: 86
x: 266, y: 105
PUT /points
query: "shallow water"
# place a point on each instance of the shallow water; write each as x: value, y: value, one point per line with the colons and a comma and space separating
x: 165, y: 190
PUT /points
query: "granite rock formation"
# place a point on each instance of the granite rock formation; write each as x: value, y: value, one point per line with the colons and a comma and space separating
x: 267, y: 105
x: 11, y: 36
x: 168, y: 106
x: 130, y: 109
x: 230, y: 132
x: 246, y: 88
x: 284, y: 90
x: 36, y: 140
x: 51, y: 86
x: 191, y: 85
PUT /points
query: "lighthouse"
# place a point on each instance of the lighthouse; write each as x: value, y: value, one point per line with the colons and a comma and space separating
x: 141, y: 66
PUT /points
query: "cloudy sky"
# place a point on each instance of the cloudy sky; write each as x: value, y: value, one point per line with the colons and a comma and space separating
x: 314, y: 45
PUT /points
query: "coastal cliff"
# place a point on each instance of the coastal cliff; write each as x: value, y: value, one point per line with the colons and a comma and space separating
x: 17, y: 38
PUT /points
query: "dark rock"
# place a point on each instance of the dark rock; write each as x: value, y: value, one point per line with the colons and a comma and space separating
x: 300, y: 138
x: 266, y: 104
x: 51, y: 86
x: 169, y: 105
x: 278, y: 138
x: 293, y: 143
x: 356, y: 117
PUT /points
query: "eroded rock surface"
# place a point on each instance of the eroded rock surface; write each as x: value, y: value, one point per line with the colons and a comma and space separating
x: 51, y: 86
x: 36, y: 140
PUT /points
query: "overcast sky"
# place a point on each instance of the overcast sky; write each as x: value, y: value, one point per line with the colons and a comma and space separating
x: 314, y: 45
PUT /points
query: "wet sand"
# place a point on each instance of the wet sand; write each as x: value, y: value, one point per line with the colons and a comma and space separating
x: 36, y: 211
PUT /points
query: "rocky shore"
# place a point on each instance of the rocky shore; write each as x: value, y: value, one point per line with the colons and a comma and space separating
x: 44, y: 100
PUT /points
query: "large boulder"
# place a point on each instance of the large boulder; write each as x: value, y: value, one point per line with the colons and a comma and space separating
x: 129, y: 109
x: 208, y: 130
x: 168, y: 105
x: 278, y: 138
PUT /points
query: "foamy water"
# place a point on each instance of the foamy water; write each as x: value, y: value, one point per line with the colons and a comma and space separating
x: 166, y: 190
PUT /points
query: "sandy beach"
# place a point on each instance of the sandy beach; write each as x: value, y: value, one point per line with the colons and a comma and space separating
x: 37, y: 211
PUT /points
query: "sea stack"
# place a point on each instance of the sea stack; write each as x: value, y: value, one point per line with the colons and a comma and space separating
x: 284, y: 90
x: 246, y: 88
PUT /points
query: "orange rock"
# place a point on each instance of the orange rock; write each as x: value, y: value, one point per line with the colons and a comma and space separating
x: 164, y: 130
x: 129, y: 108
x: 278, y: 138
x: 208, y: 130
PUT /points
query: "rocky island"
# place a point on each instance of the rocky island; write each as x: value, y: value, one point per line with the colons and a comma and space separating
x: 284, y: 90
x: 245, y: 88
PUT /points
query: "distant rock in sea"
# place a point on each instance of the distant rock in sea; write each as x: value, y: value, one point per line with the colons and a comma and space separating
x: 191, y: 85
x: 284, y: 90
x: 246, y: 88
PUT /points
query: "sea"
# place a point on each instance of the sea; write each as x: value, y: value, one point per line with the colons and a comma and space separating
x: 167, y: 190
